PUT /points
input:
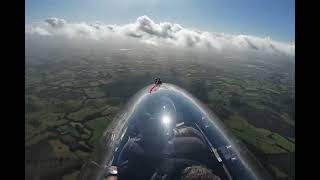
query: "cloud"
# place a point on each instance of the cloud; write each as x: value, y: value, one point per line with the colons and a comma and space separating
x: 40, y: 31
x: 55, y: 22
x: 157, y: 34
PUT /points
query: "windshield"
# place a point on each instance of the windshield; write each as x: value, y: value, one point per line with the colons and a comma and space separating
x: 162, y: 133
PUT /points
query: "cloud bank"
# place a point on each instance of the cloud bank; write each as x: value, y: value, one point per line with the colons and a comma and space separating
x: 158, y: 34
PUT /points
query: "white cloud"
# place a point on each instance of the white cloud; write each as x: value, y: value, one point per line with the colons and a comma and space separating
x: 164, y: 33
x: 40, y: 31
x: 55, y: 22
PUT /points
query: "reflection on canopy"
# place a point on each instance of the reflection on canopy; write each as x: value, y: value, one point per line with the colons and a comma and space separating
x: 162, y: 133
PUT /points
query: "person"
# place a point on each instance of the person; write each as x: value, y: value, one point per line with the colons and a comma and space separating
x: 198, y: 173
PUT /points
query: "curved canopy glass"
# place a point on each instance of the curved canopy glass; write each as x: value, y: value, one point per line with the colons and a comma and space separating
x: 161, y: 133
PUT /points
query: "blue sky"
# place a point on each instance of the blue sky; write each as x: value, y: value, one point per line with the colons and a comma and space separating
x: 274, y: 18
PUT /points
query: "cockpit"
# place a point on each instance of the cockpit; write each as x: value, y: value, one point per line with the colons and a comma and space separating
x: 162, y: 134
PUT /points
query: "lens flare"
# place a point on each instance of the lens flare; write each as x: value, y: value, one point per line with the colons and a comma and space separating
x: 166, y: 120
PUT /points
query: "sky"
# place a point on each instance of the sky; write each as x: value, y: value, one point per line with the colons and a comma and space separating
x: 262, y: 18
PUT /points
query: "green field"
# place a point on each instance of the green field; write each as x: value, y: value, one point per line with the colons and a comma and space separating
x: 72, y: 100
x: 264, y: 140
